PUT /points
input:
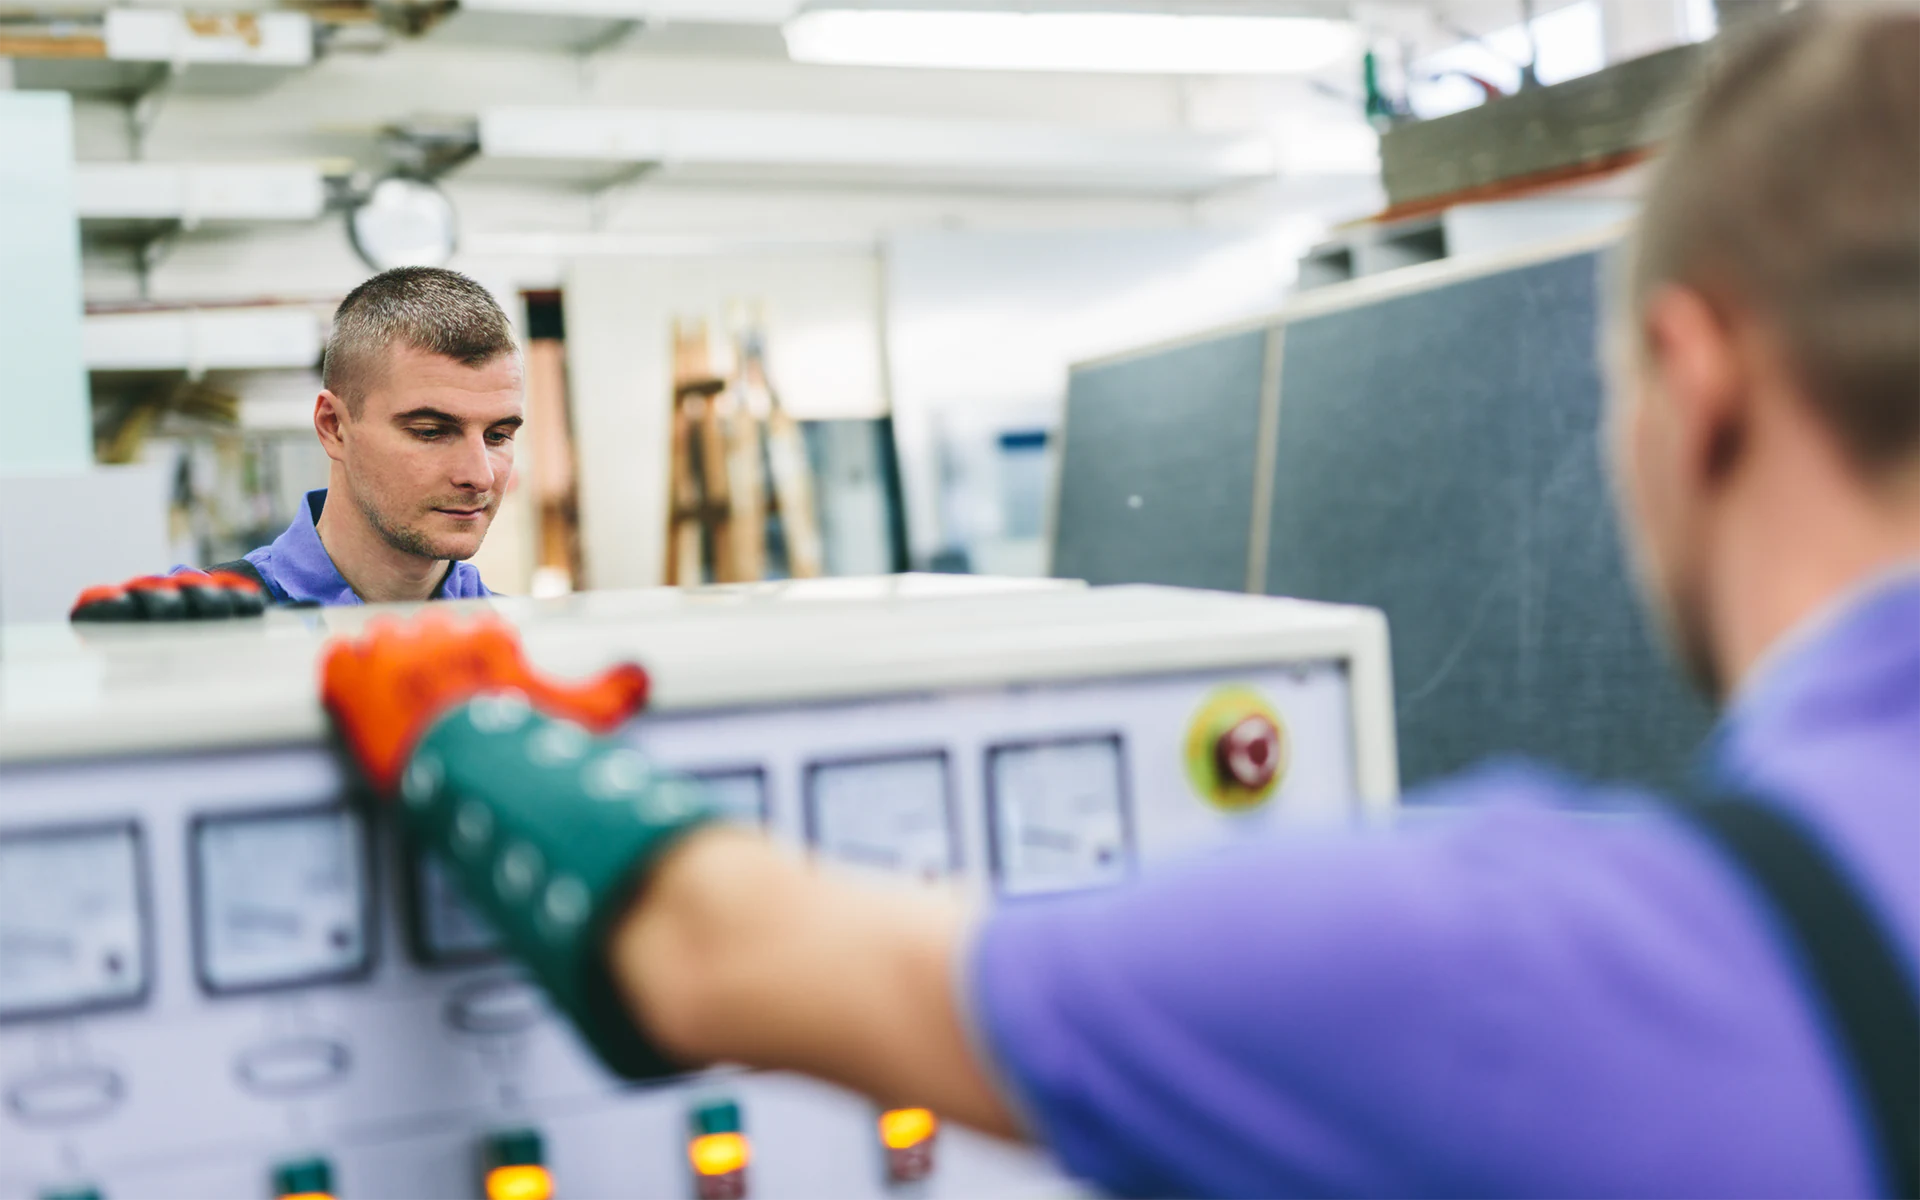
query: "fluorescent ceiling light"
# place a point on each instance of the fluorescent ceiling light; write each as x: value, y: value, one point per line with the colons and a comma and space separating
x: 1137, y: 43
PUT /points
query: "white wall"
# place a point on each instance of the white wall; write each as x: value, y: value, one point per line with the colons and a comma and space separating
x: 61, y: 531
x: 983, y: 326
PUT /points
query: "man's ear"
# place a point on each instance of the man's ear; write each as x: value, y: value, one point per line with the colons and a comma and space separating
x: 1693, y: 354
x: 329, y: 419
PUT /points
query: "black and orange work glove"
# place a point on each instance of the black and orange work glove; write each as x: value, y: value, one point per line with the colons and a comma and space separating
x: 187, y: 596
x: 510, y: 777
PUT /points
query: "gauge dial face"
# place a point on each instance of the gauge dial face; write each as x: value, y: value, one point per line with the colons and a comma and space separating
x: 71, y: 926
x: 1059, y: 815
x: 282, y: 899
x: 893, y: 814
x: 740, y: 795
x: 450, y: 924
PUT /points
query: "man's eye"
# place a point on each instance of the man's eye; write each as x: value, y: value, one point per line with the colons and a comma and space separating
x: 499, y: 437
x: 428, y: 433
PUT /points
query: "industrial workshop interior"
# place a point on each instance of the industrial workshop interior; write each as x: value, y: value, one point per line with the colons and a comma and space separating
x: 1034, y: 599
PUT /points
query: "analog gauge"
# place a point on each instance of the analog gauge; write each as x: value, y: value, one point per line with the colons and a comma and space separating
x: 451, y: 927
x: 282, y: 899
x: 740, y: 795
x: 1058, y: 815
x: 71, y: 924
x: 889, y: 813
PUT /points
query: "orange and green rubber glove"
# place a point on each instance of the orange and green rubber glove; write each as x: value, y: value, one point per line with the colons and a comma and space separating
x: 508, y: 776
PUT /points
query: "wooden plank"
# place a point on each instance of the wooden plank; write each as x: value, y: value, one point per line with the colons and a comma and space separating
x: 52, y: 45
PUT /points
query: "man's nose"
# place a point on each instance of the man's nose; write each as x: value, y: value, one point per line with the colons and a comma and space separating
x: 473, y: 468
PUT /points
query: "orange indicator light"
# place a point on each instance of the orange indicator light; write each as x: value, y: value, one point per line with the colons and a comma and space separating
x: 718, y: 1153
x: 307, y: 1196
x: 522, y: 1181
x: 905, y: 1128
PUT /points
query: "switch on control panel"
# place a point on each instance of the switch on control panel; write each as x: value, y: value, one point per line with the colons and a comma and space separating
x: 513, y: 1166
x: 717, y: 1150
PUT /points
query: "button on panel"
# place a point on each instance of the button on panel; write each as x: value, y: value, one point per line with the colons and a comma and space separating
x: 293, y: 1066
x: 63, y: 1096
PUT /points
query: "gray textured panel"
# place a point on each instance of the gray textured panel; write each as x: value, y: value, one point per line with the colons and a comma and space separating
x: 1439, y: 458
x: 1156, y: 476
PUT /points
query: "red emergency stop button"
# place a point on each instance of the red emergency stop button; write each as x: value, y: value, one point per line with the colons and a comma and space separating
x: 1248, y: 754
x: 1236, y: 749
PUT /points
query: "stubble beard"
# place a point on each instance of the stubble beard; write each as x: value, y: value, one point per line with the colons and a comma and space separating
x: 1678, y: 610
x: 1688, y: 640
x: 405, y: 539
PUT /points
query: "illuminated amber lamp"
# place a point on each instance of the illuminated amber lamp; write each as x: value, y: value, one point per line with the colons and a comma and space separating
x: 906, y: 1136
x: 514, y: 1167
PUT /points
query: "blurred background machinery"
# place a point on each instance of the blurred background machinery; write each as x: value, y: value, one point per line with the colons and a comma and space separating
x: 933, y: 209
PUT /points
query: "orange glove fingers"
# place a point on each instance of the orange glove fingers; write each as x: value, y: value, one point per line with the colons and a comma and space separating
x: 387, y: 686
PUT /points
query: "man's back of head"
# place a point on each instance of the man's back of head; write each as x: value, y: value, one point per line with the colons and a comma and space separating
x: 1769, y: 434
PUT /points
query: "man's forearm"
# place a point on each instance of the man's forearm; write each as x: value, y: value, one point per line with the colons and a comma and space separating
x: 738, y: 953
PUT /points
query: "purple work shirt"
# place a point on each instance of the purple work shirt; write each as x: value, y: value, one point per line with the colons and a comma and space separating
x: 1510, y: 996
x: 297, y: 568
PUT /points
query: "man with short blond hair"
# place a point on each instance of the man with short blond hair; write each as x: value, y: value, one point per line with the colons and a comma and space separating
x: 422, y: 393
x: 1543, y: 987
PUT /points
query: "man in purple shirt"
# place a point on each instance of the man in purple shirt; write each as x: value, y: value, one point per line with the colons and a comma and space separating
x: 1507, y: 995
x: 422, y: 392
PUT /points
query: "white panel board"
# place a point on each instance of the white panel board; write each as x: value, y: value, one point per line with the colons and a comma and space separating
x: 61, y: 532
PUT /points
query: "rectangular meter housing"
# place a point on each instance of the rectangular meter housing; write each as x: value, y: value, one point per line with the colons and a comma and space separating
x: 447, y: 927
x: 1057, y: 815
x: 892, y: 813
x: 281, y: 899
x: 73, y: 927
x: 738, y: 792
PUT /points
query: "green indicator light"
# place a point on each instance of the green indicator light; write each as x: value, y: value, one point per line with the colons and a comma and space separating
x: 82, y: 1192
x: 516, y: 1148
x: 304, y: 1177
x: 714, y: 1116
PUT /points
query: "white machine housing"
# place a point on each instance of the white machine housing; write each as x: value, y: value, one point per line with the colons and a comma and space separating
x: 211, y: 964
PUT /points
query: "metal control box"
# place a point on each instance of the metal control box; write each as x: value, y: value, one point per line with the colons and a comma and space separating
x: 219, y: 978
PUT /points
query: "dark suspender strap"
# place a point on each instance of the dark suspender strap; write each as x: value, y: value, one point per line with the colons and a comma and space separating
x: 1873, y: 1015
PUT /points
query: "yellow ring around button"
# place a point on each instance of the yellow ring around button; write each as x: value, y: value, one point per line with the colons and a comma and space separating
x: 1223, y: 709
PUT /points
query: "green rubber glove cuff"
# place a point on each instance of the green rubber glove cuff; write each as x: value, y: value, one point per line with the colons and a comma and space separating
x: 551, y: 831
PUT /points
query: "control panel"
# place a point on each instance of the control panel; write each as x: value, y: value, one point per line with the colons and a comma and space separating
x: 219, y: 978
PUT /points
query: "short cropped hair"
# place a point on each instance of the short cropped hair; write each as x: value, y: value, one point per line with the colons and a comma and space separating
x: 1791, y: 193
x: 428, y: 308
